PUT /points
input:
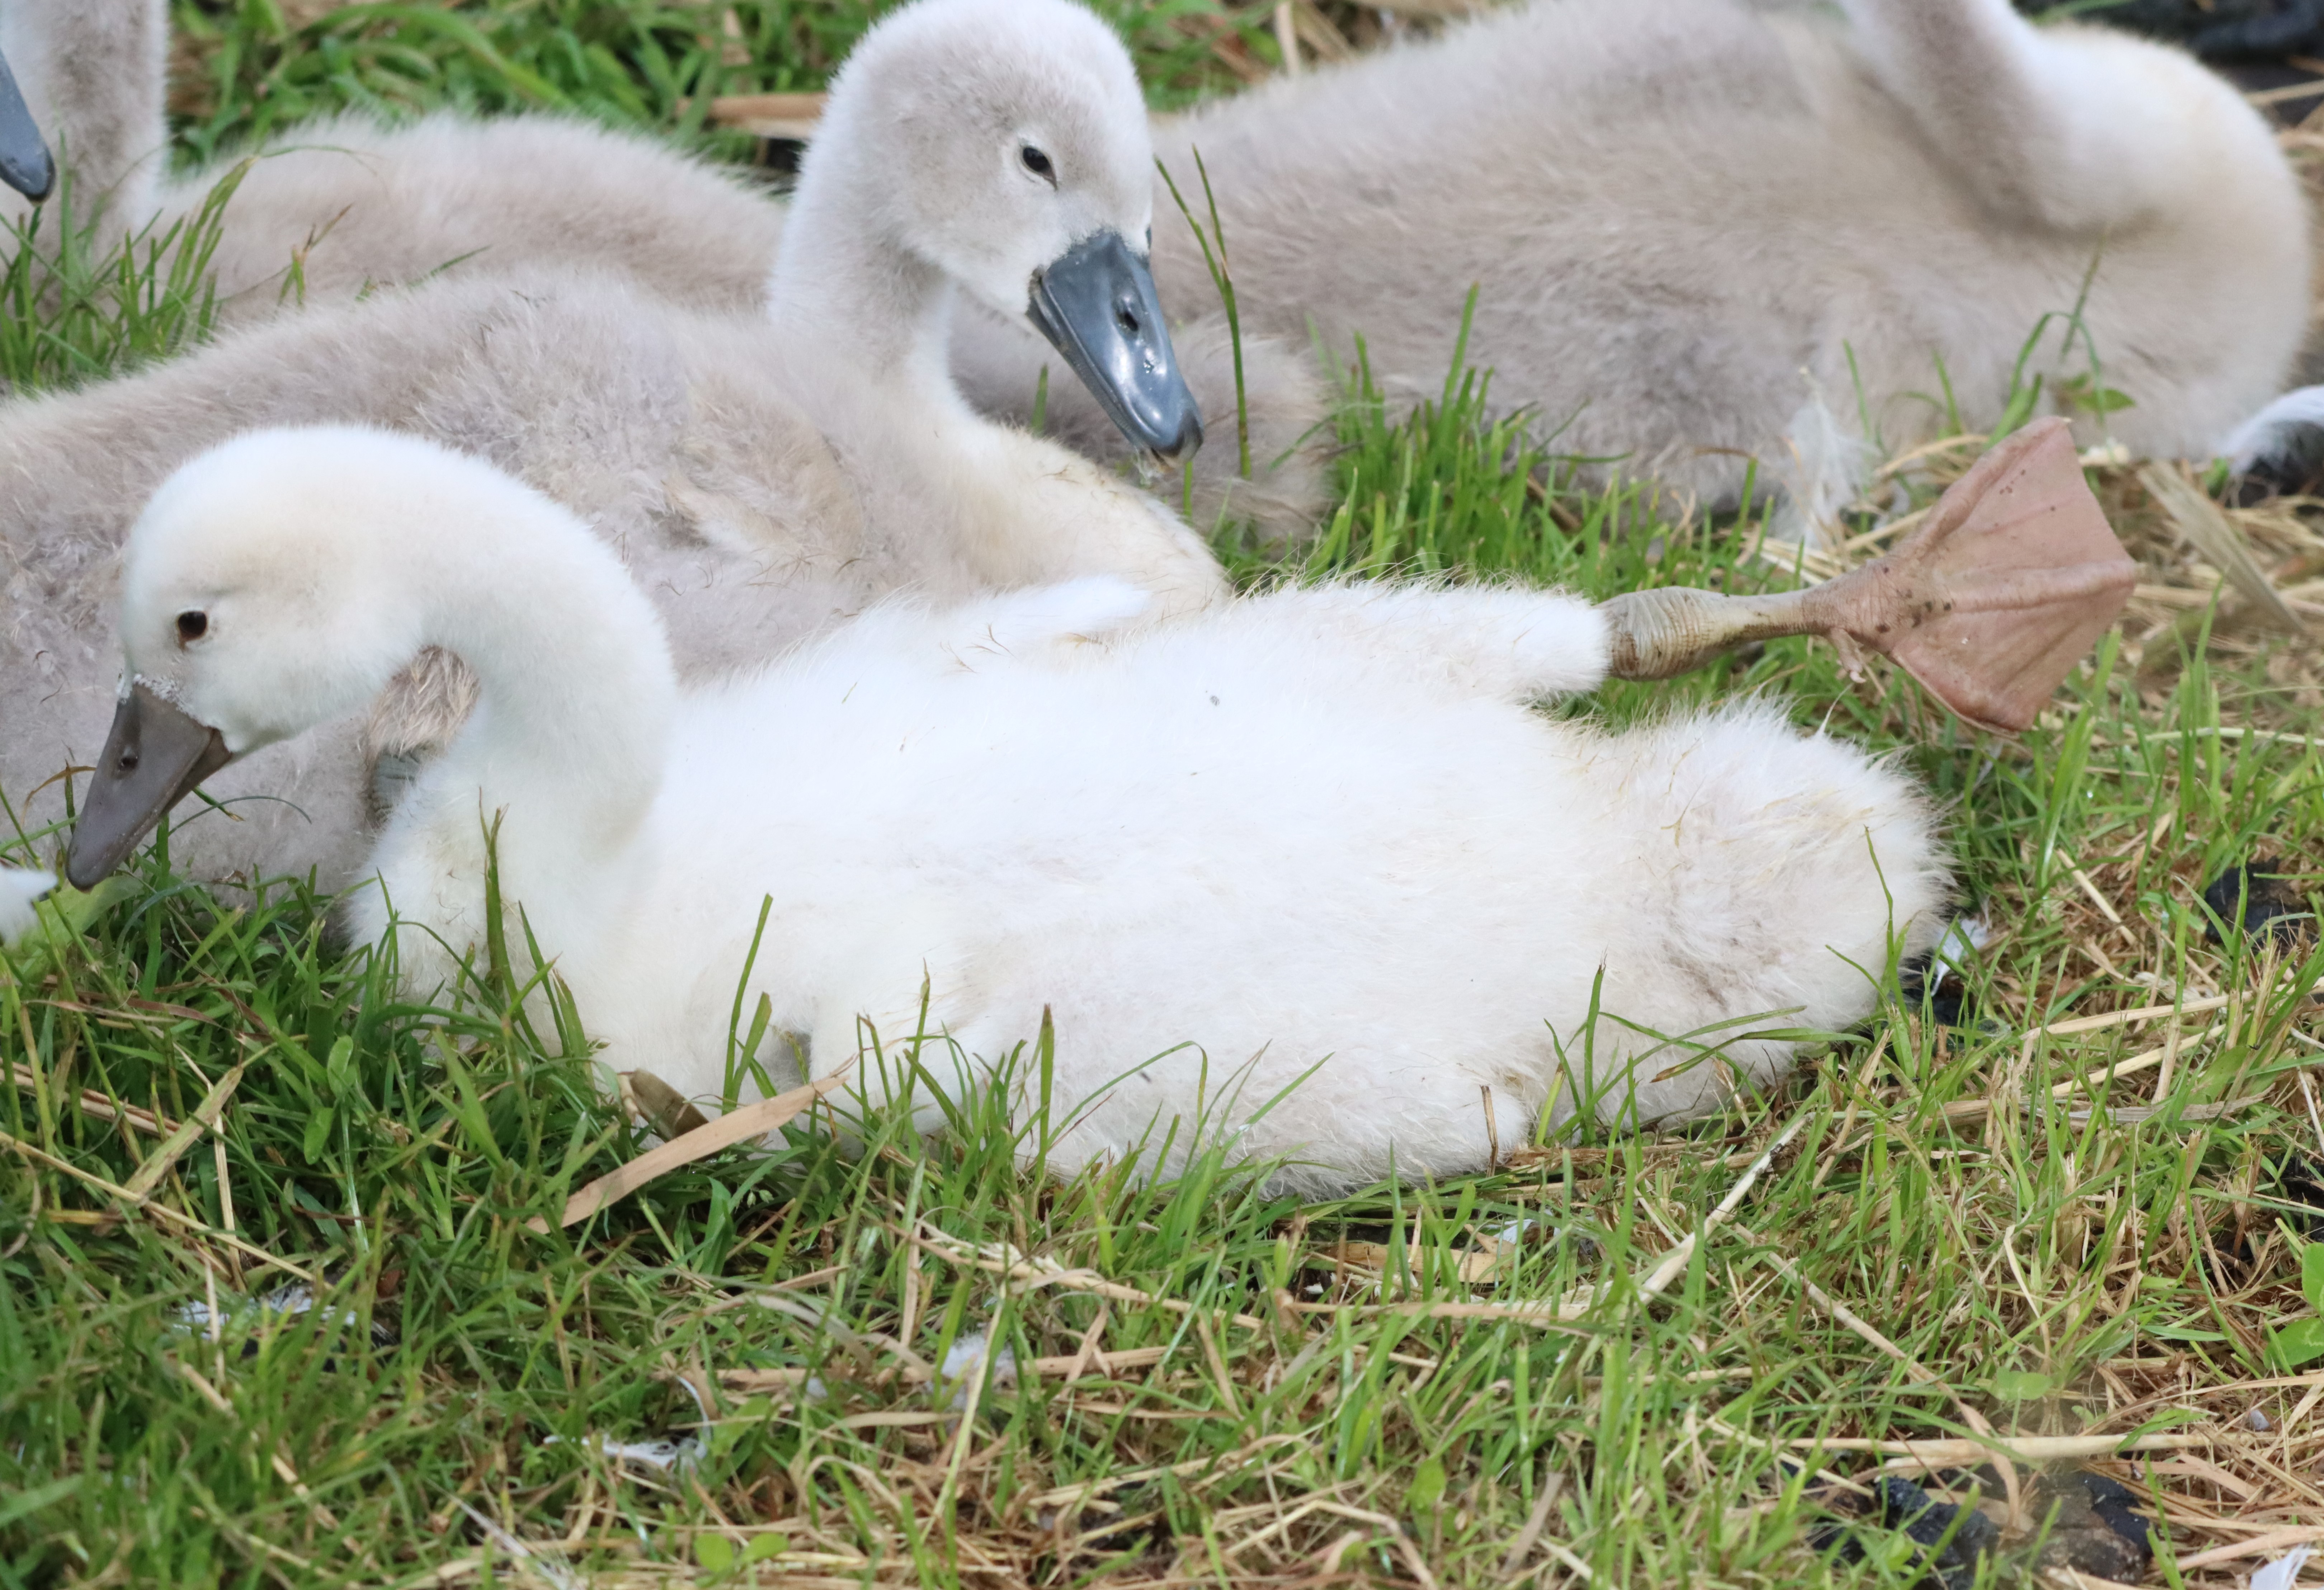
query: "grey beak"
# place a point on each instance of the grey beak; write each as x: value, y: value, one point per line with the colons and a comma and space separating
x: 1096, y: 303
x: 25, y: 162
x: 153, y: 758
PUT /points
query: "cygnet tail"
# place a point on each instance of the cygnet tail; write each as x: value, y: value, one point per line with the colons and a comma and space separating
x: 1773, y: 879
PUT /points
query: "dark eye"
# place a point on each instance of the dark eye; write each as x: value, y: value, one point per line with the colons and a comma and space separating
x: 1038, y: 164
x: 192, y: 626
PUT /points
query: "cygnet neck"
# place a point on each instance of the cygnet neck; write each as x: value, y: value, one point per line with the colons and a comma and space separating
x: 576, y: 690
x: 843, y: 279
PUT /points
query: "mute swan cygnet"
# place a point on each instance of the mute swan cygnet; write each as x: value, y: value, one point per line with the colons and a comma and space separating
x: 1695, y: 225
x: 363, y: 206
x: 1699, y: 227
x: 1320, y: 825
x: 760, y: 474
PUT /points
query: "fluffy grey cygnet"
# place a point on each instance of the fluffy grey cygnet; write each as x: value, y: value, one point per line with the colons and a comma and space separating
x: 1696, y: 227
x: 761, y: 474
x: 364, y: 205
x: 1703, y: 233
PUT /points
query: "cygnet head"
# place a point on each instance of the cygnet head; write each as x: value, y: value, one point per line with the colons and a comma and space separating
x: 1004, y: 144
x: 260, y: 598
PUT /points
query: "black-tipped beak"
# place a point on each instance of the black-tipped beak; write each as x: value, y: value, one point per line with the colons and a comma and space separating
x: 153, y: 758
x: 1096, y: 302
x: 25, y: 162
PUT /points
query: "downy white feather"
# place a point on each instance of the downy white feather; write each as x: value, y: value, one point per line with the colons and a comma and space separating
x: 1317, y: 828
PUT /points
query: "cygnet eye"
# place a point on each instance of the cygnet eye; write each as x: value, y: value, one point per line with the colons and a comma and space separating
x: 1038, y: 164
x: 192, y: 627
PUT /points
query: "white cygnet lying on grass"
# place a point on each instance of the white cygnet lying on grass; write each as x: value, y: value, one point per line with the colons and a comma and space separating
x: 1318, y: 829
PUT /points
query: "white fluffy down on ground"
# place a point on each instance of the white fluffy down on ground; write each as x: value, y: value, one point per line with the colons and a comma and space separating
x: 19, y: 891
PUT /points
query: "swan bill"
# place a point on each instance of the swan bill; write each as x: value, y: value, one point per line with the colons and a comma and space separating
x: 1096, y: 302
x: 154, y: 757
x: 25, y: 164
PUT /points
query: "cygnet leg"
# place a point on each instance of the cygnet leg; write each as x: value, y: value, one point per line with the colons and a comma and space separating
x: 1990, y: 603
x: 1505, y: 643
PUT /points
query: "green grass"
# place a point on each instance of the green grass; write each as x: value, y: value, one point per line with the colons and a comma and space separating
x: 1277, y: 1416
x: 264, y: 64
x: 77, y: 306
